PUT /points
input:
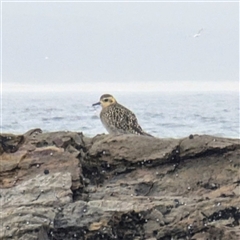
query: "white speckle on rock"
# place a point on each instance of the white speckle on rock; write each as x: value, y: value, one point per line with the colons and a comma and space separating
x: 190, y: 226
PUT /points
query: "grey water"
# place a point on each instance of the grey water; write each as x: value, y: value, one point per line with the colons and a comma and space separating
x: 163, y: 114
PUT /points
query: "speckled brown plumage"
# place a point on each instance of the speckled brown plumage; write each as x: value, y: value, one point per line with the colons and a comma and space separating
x: 117, y: 118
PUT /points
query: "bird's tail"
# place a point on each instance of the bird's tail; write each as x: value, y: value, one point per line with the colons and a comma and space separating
x: 147, y: 134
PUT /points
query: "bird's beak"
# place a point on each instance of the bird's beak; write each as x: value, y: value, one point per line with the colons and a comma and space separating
x: 95, y: 104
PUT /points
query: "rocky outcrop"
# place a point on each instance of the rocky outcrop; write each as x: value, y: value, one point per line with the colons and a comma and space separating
x: 63, y: 185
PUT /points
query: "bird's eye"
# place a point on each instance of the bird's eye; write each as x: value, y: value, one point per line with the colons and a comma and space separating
x: 105, y: 100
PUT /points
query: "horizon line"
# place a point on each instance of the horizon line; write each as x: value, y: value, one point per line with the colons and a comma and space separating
x: 176, y: 86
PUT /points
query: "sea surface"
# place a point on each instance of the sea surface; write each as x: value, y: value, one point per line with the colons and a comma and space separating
x: 162, y: 114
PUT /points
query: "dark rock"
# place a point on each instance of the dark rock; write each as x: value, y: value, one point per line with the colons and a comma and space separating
x: 63, y: 185
x: 191, y: 136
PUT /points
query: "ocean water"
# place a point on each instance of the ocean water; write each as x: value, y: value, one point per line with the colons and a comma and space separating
x: 164, y: 114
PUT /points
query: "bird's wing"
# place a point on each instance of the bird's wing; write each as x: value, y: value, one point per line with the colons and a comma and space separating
x: 131, y: 121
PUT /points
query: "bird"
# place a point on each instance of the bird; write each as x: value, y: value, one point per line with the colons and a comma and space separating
x: 117, y: 119
x: 198, y: 34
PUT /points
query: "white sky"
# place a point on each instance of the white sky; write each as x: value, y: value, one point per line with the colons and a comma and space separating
x: 122, y: 46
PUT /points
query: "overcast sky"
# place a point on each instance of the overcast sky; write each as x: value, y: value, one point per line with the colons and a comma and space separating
x: 120, y: 43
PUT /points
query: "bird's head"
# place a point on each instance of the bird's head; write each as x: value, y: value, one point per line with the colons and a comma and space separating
x: 106, y: 100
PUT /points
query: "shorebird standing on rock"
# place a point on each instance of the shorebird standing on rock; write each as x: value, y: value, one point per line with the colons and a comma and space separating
x: 118, y: 119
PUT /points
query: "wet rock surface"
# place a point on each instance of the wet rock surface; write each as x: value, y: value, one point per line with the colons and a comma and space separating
x: 63, y: 185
